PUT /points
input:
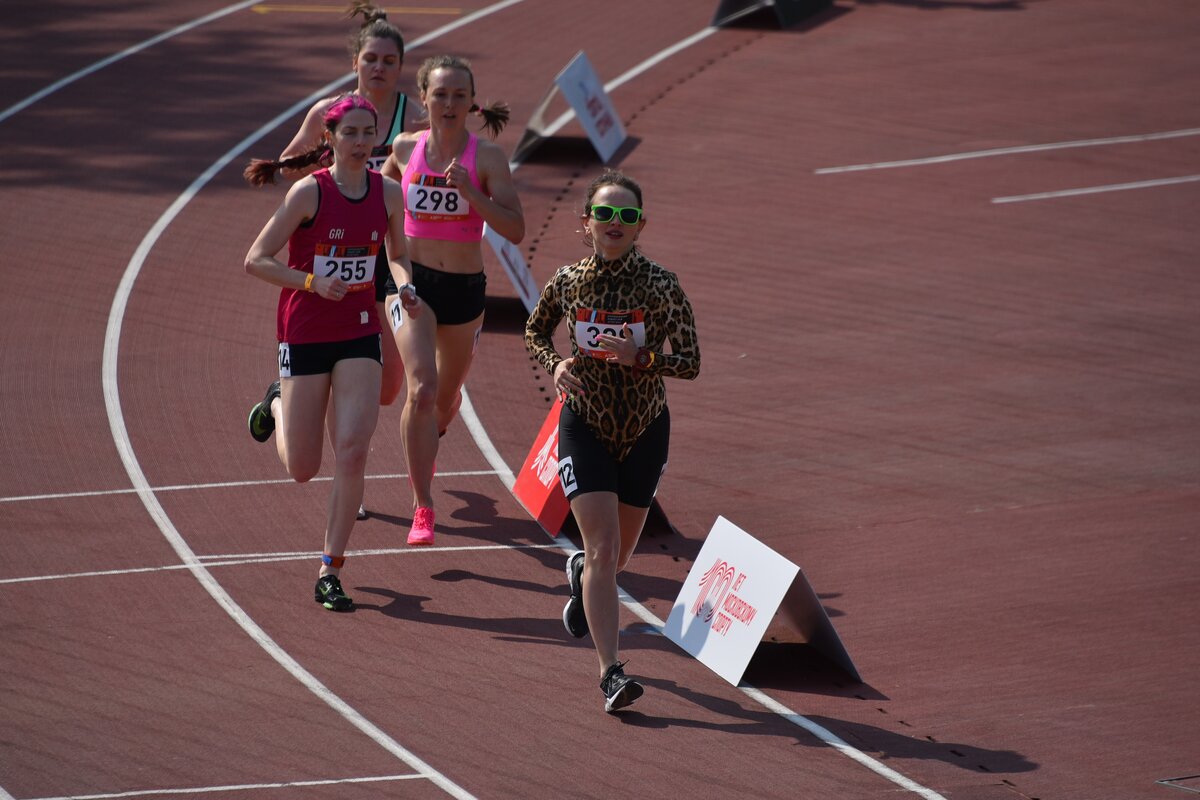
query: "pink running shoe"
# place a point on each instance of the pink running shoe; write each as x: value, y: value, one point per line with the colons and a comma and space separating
x: 421, y: 534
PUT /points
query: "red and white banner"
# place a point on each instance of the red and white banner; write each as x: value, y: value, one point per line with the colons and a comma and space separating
x: 732, y: 593
x: 537, y: 485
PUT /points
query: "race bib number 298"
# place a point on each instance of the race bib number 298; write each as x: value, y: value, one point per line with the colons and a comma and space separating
x: 429, y: 199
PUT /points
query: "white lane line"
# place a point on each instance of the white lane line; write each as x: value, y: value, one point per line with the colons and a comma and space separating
x: 1112, y: 187
x: 493, y: 457
x: 137, y: 48
x: 240, y: 559
x: 1007, y: 151
x: 188, y: 487
x: 120, y: 435
x: 231, y: 788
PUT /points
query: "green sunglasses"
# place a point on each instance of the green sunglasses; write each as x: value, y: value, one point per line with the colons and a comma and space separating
x: 628, y: 215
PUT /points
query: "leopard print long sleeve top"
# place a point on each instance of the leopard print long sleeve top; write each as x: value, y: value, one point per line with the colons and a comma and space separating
x: 597, y: 296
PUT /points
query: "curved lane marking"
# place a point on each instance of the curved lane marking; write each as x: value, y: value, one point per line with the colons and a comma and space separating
x: 137, y: 48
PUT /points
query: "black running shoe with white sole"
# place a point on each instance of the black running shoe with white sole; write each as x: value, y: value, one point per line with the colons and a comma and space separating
x: 328, y: 592
x: 261, y: 421
x: 619, y: 689
x: 574, y: 617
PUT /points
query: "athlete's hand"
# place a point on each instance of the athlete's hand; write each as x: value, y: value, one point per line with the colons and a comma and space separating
x: 331, y: 288
x: 565, y: 382
x: 408, y: 298
x: 456, y: 175
x: 621, y: 349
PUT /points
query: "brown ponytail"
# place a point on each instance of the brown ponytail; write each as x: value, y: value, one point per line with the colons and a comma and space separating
x: 261, y: 171
x: 495, y: 117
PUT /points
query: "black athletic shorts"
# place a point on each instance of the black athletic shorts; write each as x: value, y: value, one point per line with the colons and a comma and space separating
x: 585, y: 465
x: 455, y: 298
x: 319, y: 358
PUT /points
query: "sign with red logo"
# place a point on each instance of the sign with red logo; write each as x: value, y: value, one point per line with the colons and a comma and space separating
x: 537, y: 485
x: 588, y: 102
x: 732, y: 593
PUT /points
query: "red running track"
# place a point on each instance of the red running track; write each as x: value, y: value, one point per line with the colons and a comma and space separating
x: 971, y: 422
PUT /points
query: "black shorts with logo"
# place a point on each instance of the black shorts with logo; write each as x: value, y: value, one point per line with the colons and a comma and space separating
x: 585, y: 465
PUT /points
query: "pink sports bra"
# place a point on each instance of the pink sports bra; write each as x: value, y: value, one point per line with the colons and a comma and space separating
x: 433, y: 210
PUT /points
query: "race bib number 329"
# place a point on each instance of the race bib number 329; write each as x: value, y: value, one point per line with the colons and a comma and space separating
x: 591, y: 323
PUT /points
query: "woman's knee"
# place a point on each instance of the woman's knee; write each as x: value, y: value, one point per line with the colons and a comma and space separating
x: 351, y: 452
x: 422, y: 393
x: 602, y: 556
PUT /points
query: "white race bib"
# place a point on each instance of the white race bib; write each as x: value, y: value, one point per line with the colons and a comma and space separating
x: 354, y: 265
x: 590, y: 323
x: 395, y: 312
x: 429, y: 199
x: 285, y: 360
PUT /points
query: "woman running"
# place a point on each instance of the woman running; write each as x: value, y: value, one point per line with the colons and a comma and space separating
x: 334, y: 223
x: 453, y: 182
x: 614, y: 428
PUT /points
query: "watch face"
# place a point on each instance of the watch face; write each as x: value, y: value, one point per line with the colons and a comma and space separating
x: 644, y: 358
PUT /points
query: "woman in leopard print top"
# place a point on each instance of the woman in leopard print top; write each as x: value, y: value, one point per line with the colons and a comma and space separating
x: 614, y: 428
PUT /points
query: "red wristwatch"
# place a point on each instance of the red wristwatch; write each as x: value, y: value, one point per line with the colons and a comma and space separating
x: 644, y: 358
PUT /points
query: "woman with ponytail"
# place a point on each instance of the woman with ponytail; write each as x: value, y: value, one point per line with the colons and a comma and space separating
x: 454, y: 182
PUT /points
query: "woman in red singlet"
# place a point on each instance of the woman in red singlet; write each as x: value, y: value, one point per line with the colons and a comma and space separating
x: 334, y: 223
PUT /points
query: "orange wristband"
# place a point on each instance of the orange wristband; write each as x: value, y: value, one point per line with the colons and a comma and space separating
x: 308, y: 282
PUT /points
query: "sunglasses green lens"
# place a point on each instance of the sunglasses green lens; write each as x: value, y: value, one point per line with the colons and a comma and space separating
x: 627, y: 215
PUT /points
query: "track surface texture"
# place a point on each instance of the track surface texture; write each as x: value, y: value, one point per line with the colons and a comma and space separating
x: 963, y: 398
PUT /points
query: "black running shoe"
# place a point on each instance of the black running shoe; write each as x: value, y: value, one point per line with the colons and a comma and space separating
x: 261, y: 422
x: 329, y: 594
x: 619, y: 689
x: 362, y: 512
x: 574, y: 617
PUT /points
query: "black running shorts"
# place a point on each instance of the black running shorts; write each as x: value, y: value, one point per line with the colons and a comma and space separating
x: 454, y: 297
x: 585, y: 465
x: 319, y: 358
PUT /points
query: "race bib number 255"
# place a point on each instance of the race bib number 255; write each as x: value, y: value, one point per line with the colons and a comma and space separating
x: 354, y: 265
